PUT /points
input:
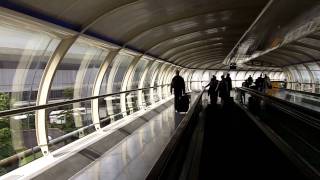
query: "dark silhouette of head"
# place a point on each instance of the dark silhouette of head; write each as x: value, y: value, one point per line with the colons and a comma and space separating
x: 214, y: 77
x: 177, y: 72
x: 222, y: 77
x: 228, y: 75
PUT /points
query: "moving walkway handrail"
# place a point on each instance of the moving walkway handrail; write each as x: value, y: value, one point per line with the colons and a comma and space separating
x: 297, y: 155
x: 66, y: 102
x: 304, y: 92
x: 165, y: 157
x: 307, y: 115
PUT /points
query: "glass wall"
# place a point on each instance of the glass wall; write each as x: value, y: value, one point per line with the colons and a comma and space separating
x: 148, y: 82
x: 27, y: 49
x: 133, y: 83
x: 74, y: 79
x: 237, y: 77
x: 24, y: 53
x: 304, y: 77
x: 116, y: 73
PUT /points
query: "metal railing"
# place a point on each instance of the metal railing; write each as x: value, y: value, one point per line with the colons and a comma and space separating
x: 36, y: 149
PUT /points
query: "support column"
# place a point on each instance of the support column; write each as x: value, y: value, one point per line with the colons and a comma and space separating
x: 312, y: 79
x: 143, y: 77
x: 97, y: 87
x: 160, y: 81
x: 125, y: 83
x: 156, y: 73
x: 43, y: 92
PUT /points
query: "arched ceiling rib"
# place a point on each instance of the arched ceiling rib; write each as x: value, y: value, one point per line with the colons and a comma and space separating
x: 185, y: 36
x: 164, y: 28
x: 170, y: 50
x: 196, y: 53
x: 213, y: 57
x: 197, y: 49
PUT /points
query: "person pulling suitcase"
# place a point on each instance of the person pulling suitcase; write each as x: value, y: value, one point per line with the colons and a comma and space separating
x: 180, y: 98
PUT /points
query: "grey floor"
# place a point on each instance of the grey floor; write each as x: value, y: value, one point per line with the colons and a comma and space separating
x: 134, y: 157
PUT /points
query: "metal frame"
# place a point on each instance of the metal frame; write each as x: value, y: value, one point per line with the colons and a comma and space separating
x: 43, y: 92
x: 178, y: 20
x: 125, y: 83
x: 205, y: 40
x: 143, y: 77
x: 194, y: 50
x: 184, y: 59
x: 157, y: 73
x: 160, y: 80
x: 312, y: 78
x: 236, y: 29
x: 213, y: 57
x: 97, y: 87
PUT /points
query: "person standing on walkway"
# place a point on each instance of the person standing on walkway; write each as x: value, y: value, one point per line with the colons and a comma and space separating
x: 178, y: 85
x: 229, y: 84
x: 250, y: 80
x: 213, y: 90
x: 223, y: 89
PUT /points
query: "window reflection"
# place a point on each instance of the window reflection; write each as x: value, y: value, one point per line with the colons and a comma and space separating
x: 23, y: 56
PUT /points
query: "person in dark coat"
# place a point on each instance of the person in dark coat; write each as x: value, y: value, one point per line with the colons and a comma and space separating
x: 250, y: 80
x: 213, y: 90
x: 223, y: 89
x: 178, y: 85
x: 229, y: 84
x: 259, y: 83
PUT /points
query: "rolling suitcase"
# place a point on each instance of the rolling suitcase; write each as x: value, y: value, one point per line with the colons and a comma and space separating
x: 183, y: 104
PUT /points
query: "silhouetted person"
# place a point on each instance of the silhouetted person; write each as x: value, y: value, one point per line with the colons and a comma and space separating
x: 178, y: 85
x: 229, y: 84
x: 213, y: 90
x: 250, y: 80
x: 223, y: 89
x: 259, y: 83
x: 284, y: 84
x: 243, y: 94
x: 266, y: 84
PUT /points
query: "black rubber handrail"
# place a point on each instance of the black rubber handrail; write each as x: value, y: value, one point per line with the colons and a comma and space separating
x: 307, y: 115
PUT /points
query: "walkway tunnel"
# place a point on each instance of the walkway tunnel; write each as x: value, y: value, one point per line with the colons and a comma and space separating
x: 71, y: 70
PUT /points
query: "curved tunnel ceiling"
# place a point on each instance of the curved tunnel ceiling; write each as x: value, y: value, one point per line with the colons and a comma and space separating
x: 162, y: 28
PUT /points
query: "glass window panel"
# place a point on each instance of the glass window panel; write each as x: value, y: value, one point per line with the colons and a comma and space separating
x: 24, y: 54
x: 240, y: 78
x: 206, y: 78
x: 271, y: 75
x: 115, y: 74
x: 295, y: 74
x: 137, y: 73
x: 147, y: 82
x: 14, y: 141
x: 133, y: 83
x: 233, y: 77
x: 76, y: 73
x: 315, y: 70
x: 281, y: 76
x: 304, y: 73
x: 256, y: 75
x: 196, y: 80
